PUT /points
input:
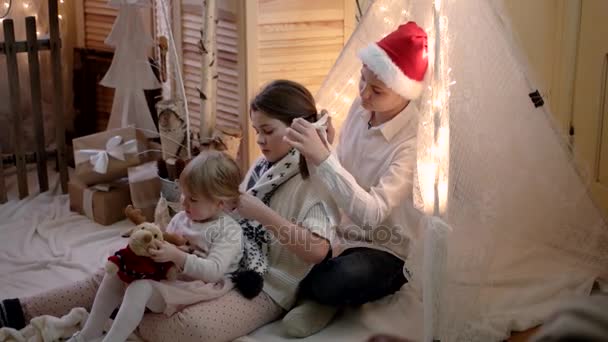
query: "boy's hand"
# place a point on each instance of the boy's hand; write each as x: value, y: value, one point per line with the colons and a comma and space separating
x: 303, y: 136
x: 163, y: 251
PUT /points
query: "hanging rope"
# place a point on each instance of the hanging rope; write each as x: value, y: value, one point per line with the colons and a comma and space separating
x: 179, y: 77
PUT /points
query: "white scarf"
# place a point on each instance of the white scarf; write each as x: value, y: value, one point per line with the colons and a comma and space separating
x: 268, y: 178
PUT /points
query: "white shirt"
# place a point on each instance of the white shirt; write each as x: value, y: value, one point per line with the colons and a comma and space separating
x: 370, y: 177
x: 217, y: 246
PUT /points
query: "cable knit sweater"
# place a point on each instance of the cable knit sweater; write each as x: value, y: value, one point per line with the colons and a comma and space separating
x: 310, y: 205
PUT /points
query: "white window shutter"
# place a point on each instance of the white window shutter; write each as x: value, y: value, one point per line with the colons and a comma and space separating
x: 228, y: 77
x: 98, y: 20
x: 191, y: 23
x: 228, y: 97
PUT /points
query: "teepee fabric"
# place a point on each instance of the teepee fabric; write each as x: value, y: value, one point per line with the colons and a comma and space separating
x: 522, y: 233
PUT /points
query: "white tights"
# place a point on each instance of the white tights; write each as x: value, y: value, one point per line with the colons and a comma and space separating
x: 137, y: 296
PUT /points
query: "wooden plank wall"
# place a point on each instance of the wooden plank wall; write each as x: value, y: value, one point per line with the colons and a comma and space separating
x: 300, y: 40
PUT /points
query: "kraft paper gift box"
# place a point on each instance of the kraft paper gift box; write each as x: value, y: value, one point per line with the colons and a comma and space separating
x: 144, y: 185
x: 106, y: 156
x: 102, y: 203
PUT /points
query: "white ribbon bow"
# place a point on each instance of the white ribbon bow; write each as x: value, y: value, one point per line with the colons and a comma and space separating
x: 101, y: 158
x: 321, y: 126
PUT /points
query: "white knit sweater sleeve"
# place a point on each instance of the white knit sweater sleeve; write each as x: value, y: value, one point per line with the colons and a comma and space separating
x: 368, y: 209
x: 317, y: 221
x: 226, y: 249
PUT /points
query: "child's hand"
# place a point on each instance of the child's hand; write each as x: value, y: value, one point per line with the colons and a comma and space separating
x: 303, y: 136
x: 165, y: 252
x: 185, y: 249
x: 249, y: 206
x: 232, y: 204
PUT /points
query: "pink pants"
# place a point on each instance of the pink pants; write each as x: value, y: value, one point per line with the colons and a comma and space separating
x: 222, y: 319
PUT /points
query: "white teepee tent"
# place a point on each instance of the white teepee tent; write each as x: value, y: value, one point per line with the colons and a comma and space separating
x: 522, y: 232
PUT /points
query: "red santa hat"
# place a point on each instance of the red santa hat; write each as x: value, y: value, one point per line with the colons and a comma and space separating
x: 400, y: 59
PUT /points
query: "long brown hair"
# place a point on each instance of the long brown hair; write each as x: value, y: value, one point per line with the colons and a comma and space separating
x: 285, y: 101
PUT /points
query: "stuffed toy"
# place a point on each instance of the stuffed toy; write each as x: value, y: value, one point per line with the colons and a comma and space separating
x: 133, y: 262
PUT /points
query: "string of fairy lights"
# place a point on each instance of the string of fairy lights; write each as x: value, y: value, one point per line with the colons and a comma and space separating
x: 433, y: 157
x: 433, y: 154
x: 26, y: 8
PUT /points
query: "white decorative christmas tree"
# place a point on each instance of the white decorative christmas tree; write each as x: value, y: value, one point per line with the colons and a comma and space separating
x: 130, y: 72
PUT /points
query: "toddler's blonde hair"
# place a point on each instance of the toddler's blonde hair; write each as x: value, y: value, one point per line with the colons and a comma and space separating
x: 212, y: 174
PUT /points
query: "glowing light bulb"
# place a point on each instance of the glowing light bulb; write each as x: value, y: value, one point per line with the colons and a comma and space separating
x: 26, y: 5
x: 442, y: 190
x: 438, y: 103
x: 60, y: 17
x: 426, y: 174
x: 383, y: 8
x: 6, y: 5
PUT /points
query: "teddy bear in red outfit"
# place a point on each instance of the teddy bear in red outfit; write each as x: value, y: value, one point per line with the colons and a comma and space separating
x: 133, y: 262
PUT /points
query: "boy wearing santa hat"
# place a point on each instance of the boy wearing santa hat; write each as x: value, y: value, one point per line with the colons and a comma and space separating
x: 371, y: 179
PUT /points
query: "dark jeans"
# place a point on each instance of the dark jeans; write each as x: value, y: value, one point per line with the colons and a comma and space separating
x: 357, y: 276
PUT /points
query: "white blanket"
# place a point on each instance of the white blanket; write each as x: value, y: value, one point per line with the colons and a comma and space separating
x: 44, y: 245
x: 48, y: 328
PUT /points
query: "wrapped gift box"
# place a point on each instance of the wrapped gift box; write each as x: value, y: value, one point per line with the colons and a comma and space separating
x: 145, y: 186
x: 106, y: 156
x: 102, y: 203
